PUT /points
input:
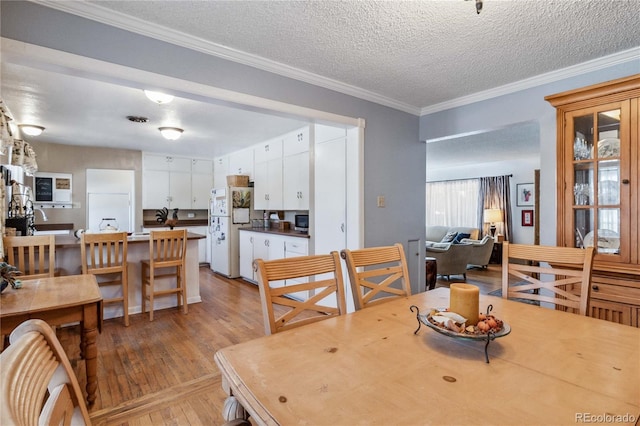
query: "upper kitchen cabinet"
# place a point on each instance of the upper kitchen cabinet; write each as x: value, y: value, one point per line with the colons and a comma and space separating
x: 296, y: 142
x: 220, y: 171
x: 201, y: 183
x: 167, y: 182
x: 241, y: 163
x: 267, y: 187
x: 598, y: 185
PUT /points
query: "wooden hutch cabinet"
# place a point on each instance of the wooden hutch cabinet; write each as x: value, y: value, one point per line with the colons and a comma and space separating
x: 598, y: 181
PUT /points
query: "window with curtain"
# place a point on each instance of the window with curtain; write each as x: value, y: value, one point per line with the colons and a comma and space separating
x: 452, y: 203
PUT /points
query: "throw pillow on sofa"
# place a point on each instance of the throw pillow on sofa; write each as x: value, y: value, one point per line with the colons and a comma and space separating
x: 458, y: 239
x: 449, y: 237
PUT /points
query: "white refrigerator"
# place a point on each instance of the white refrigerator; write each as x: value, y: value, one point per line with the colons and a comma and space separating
x: 229, y: 210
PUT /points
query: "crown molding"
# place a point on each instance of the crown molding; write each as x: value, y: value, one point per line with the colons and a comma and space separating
x: 119, y: 20
x: 538, y: 80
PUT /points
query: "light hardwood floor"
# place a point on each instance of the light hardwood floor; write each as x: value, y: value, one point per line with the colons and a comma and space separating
x: 163, y: 373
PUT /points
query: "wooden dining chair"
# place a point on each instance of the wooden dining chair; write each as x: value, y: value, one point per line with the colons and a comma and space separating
x: 167, y: 252
x: 105, y: 256
x: 300, y: 290
x: 557, y: 275
x: 38, y: 383
x: 34, y: 255
x: 377, y: 274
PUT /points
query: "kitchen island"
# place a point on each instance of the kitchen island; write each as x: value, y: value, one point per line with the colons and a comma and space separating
x: 69, y: 262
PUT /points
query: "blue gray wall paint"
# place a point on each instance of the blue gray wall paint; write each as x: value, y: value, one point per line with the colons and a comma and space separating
x: 519, y: 107
x: 394, y: 163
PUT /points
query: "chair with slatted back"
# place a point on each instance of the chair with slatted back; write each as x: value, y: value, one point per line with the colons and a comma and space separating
x: 34, y: 256
x: 167, y: 251
x: 105, y: 256
x: 300, y: 290
x: 377, y: 274
x: 38, y: 383
x: 556, y: 275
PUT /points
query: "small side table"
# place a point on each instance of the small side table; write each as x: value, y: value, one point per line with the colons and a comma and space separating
x: 496, y: 253
x: 431, y: 268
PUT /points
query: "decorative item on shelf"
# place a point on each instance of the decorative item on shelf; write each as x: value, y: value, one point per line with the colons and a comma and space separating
x: 581, y: 193
x: 162, y: 216
x: 492, y: 216
x: 8, y: 274
x: 581, y: 150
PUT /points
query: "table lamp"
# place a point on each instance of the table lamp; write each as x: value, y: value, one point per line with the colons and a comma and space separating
x: 492, y: 216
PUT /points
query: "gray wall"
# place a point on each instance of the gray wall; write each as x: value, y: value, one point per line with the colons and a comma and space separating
x: 394, y: 163
x: 519, y: 107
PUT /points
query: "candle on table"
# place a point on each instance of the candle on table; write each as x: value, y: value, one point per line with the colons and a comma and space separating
x: 464, y: 300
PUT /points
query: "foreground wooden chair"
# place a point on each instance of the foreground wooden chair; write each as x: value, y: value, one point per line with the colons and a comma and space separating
x: 167, y: 251
x: 34, y: 256
x: 558, y: 275
x: 377, y: 274
x: 299, y: 285
x: 37, y: 381
x: 105, y: 256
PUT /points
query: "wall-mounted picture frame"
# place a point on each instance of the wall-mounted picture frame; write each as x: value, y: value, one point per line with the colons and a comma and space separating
x: 525, y: 194
x: 527, y: 217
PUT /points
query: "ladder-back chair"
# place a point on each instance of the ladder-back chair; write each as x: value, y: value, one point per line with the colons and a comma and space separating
x: 377, y: 274
x: 283, y: 281
x: 167, y: 251
x: 34, y: 255
x: 105, y: 256
x: 558, y: 275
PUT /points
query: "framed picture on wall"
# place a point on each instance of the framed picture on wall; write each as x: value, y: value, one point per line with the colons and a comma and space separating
x: 525, y: 194
x: 527, y: 217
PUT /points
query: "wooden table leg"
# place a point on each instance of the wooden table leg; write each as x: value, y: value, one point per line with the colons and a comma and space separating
x: 89, y: 334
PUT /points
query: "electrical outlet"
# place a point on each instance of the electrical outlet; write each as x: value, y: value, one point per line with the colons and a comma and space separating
x: 381, y: 201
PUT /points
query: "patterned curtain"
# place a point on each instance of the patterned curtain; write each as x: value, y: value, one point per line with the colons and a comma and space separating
x: 495, y: 194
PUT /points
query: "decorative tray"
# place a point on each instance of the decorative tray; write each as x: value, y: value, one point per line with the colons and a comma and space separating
x: 485, y: 336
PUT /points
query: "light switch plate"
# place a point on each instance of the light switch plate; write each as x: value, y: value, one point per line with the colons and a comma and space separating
x: 381, y: 201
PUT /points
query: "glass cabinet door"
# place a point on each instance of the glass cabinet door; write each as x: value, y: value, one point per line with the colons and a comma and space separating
x: 599, y: 142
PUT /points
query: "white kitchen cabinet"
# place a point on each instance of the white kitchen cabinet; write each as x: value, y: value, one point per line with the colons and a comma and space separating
x: 166, y: 189
x: 201, y: 183
x: 268, y: 150
x: 176, y: 182
x: 241, y: 163
x: 259, y: 245
x: 295, y: 179
x: 204, y: 246
x: 220, y: 171
x: 267, y: 188
x: 296, y: 142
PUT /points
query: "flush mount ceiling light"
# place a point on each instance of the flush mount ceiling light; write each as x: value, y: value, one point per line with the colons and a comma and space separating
x: 171, y: 133
x: 31, y: 129
x: 157, y: 97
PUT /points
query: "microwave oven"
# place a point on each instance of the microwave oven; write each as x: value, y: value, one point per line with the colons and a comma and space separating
x: 302, y: 222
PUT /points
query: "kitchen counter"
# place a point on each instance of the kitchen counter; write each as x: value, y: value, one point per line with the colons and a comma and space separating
x: 285, y: 232
x: 69, y: 262
x: 181, y: 223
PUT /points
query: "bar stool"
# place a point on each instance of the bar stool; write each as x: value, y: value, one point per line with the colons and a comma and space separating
x: 167, y: 250
x: 105, y: 256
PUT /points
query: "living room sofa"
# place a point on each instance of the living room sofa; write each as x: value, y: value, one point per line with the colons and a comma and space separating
x: 481, y: 251
x: 452, y: 253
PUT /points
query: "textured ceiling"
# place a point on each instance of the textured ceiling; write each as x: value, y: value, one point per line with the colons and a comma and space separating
x: 419, y: 53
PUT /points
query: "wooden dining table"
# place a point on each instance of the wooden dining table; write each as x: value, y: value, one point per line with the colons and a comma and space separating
x: 59, y: 301
x: 369, y: 367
